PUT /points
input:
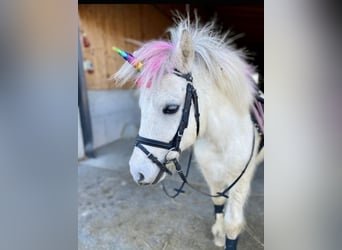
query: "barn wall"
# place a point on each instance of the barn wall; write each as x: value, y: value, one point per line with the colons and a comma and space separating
x: 114, y: 112
x: 106, y: 25
x: 114, y: 115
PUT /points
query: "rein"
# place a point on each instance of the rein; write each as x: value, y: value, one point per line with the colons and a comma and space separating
x: 218, y: 194
x: 173, y: 145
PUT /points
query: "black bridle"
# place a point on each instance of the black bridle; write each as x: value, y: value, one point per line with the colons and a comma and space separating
x: 173, y: 145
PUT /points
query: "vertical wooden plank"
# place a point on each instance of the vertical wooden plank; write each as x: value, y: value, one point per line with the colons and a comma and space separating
x: 155, y: 23
x: 113, y: 33
x: 132, y: 25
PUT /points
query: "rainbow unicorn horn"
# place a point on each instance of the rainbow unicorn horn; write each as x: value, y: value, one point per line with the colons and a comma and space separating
x: 129, y: 58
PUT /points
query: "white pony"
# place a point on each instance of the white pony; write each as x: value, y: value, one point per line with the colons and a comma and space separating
x: 227, y: 142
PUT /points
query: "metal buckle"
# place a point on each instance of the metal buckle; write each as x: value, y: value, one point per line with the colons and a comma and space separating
x: 180, y: 171
x: 168, y: 152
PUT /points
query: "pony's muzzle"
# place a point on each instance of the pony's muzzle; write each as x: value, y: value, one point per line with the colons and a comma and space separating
x: 141, y: 178
x: 143, y: 174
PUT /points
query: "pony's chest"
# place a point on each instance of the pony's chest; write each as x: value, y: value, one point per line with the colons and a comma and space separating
x: 223, y: 156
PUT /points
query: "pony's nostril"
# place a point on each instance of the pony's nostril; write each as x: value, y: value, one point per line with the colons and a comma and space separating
x: 141, y: 177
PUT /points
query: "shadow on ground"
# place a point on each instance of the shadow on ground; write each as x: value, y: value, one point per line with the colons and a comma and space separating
x: 115, y: 213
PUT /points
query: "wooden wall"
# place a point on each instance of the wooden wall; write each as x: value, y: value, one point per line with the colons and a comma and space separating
x: 106, y: 25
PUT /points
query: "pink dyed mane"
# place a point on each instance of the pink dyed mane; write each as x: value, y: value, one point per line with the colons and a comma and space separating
x: 153, y: 55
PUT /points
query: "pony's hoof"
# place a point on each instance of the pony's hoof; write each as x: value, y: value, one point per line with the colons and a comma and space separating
x: 231, y: 244
x: 219, y: 241
x: 219, y: 235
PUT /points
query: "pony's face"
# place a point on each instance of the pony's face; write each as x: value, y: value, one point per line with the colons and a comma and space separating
x: 161, y: 111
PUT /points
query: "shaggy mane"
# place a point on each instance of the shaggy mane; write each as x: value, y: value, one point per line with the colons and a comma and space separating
x: 153, y: 55
x: 214, y: 52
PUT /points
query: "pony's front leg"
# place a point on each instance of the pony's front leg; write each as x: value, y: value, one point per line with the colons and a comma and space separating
x: 234, y: 217
x: 218, y: 229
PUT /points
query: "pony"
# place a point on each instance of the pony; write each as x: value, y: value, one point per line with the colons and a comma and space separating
x: 196, y: 90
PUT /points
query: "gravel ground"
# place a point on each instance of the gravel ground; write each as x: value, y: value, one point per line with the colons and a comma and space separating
x: 115, y: 213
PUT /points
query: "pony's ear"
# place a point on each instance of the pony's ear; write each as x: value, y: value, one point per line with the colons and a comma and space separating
x: 184, y: 52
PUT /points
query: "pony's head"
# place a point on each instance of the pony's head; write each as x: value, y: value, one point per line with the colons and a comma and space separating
x: 164, y: 78
x: 162, y: 99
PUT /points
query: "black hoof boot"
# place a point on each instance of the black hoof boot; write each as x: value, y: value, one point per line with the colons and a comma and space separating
x: 231, y: 244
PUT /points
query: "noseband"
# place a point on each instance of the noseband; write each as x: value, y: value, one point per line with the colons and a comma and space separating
x: 173, y: 145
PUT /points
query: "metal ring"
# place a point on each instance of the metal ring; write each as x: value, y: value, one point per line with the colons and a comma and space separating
x: 167, y: 161
x: 171, y: 149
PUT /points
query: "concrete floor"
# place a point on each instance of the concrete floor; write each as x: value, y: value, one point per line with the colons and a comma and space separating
x: 115, y: 213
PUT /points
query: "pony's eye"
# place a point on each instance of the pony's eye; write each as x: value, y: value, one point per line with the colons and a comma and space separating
x: 170, y: 109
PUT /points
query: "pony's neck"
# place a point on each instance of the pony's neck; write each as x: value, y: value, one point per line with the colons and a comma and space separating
x: 219, y: 118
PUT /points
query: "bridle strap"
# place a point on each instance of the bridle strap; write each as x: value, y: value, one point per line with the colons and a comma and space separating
x: 188, y: 76
x: 153, y: 143
x: 197, y: 114
x: 190, y: 90
x: 180, y: 189
x: 153, y: 158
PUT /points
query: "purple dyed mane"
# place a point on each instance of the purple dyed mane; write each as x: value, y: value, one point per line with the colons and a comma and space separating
x: 153, y: 55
